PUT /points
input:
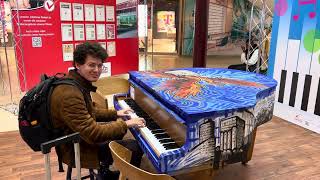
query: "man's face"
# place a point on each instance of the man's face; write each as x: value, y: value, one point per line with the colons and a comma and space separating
x: 91, y: 69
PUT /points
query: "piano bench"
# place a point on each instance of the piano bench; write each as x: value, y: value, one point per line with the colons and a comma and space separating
x: 121, y: 157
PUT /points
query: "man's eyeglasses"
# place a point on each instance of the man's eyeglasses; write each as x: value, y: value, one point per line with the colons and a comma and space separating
x: 93, y: 66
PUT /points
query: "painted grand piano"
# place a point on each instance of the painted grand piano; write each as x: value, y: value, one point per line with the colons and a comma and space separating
x: 198, y: 117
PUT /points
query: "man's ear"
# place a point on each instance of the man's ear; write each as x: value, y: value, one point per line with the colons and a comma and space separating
x: 77, y: 65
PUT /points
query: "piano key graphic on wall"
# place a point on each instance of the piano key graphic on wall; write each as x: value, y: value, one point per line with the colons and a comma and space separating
x: 291, y: 66
x: 310, y: 95
x: 306, y: 92
x: 317, y: 105
x: 282, y: 85
x: 293, y: 89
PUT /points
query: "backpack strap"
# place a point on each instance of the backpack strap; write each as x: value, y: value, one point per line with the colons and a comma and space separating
x: 73, y: 82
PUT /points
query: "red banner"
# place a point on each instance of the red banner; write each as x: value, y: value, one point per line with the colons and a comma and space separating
x: 50, y: 32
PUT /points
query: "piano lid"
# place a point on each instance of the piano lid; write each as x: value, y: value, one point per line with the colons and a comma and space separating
x: 194, y: 93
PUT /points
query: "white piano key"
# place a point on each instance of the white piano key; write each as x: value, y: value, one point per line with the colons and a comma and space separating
x: 291, y: 65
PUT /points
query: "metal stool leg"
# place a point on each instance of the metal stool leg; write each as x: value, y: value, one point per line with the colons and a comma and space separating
x: 69, y: 173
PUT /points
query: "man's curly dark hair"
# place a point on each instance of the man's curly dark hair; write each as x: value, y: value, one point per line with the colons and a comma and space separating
x: 93, y: 49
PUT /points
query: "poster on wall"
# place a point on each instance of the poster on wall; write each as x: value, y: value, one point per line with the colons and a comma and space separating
x: 89, y: 12
x: 111, y: 48
x: 110, y: 13
x: 100, y: 14
x: 110, y: 28
x: 67, y: 52
x: 126, y: 19
x: 103, y: 44
x: 77, y: 12
x: 106, y: 70
x: 166, y: 21
x: 101, y: 32
x: 78, y: 32
x: 90, y: 32
x: 65, y: 11
x: 66, y: 32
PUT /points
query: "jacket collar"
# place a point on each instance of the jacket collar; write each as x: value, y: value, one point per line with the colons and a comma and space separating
x: 81, y: 80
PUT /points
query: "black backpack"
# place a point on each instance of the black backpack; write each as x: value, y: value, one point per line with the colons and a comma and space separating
x: 35, y: 123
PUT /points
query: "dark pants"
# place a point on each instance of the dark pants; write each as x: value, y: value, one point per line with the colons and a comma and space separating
x: 105, y: 156
x: 242, y: 67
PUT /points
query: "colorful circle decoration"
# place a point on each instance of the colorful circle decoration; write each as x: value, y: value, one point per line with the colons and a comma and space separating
x: 281, y: 7
x: 311, y: 42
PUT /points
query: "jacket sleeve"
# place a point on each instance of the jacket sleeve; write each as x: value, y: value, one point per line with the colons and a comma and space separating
x: 105, y: 115
x: 76, y: 116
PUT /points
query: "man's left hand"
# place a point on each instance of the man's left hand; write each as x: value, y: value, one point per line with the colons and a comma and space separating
x: 124, y: 112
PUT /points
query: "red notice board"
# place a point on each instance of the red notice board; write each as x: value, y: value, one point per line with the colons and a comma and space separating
x: 50, y: 32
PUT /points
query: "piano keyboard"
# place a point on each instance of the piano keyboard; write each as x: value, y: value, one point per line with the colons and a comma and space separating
x: 156, y: 137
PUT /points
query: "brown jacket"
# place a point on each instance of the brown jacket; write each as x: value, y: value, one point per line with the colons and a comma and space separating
x: 70, y: 113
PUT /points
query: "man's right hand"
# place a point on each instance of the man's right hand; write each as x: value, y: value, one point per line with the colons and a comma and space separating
x: 136, y: 122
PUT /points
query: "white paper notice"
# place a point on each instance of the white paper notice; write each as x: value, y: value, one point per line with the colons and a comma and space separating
x: 106, y: 70
x: 89, y: 12
x: 142, y: 20
x: 65, y: 11
x: 100, y: 14
x: 101, y: 31
x: 67, y: 51
x: 111, y: 48
x: 103, y: 44
x: 66, y: 31
x: 77, y: 12
x: 78, y: 32
x: 90, y: 32
x: 110, y: 13
x: 110, y: 30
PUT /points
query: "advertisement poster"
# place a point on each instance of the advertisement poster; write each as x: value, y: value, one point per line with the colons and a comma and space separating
x: 67, y: 51
x: 89, y: 12
x: 77, y: 12
x: 111, y: 48
x: 66, y: 31
x: 110, y: 31
x: 110, y: 13
x: 166, y: 21
x: 90, y: 32
x: 101, y: 32
x: 127, y: 19
x: 100, y: 14
x: 65, y: 11
x: 78, y: 32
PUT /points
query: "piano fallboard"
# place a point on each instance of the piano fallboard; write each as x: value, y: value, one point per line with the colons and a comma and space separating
x: 210, y: 138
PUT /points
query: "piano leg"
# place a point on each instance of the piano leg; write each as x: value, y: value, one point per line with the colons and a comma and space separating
x: 247, y: 157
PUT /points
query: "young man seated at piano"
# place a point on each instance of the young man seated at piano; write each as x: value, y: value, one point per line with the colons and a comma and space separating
x: 72, y: 110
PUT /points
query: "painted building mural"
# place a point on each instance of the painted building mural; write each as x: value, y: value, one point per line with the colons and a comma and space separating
x: 295, y: 62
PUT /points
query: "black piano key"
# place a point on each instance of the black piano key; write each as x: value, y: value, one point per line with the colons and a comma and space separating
x: 165, y: 141
x: 162, y: 136
x: 282, y: 85
x: 170, y: 146
x: 293, y: 91
x: 156, y: 131
x: 306, y: 92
